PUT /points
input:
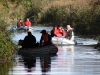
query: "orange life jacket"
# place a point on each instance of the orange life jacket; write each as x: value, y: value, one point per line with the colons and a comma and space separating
x: 20, y: 23
x: 45, y: 37
x: 27, y: 23
x: 59, y: 33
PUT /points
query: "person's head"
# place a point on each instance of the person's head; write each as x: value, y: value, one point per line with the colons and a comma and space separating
x: 29, y: 33
x: 59, y: 27
x: 27, y: 19
x: 43, y: 32
x: 68, y: 27
x: 20, y: 19
x: 53, y: 28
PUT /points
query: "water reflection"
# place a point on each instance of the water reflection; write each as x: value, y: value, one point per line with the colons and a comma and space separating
x: 34, y: 65
x: 70, y: 60
x: 45, y: 63
x: 66, y: 58
x: 30, y: 63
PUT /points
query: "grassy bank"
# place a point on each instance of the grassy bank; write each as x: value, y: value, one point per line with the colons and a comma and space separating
x: 7, y: 47
x: 5, y: 67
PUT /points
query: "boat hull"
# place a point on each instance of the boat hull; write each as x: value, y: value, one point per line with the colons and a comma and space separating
x: 25, y: 28
x: 38, y: 52
x: 62, y: 41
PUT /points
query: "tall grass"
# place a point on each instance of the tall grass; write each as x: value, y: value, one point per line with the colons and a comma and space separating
x: 83, y: 15
x: 77, y: 13
x: 7, y: 47
x: 4, y: 68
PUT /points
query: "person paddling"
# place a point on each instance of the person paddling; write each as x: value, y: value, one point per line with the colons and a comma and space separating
x: 45, y: 38
x: 19, y: 23
x: 28, y: 23
x: 29, y: 41
x: 59, y: 31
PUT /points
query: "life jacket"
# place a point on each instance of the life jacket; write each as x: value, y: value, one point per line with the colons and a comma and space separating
x: 59, y: 33
x: 27, y: 23
x: 20, y: 23
x: 45, y: 37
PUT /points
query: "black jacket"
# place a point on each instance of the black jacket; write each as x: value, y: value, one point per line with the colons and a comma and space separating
x: 29, y: 42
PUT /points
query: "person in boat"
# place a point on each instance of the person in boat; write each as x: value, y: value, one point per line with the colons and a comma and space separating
x: 59, y: 31
x: 45, y: 38
x: 52, y: 32
x: 19, y: 23
x: 68, y: 31
x: 27, y: 24
x: 97, y: 46
x: 29, y: 41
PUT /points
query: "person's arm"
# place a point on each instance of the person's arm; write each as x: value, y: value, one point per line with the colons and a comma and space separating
x: 41, y: 39
x: 30, y: 24
x: 34, y: 39
x: 17, y: 24
x: 55, y: 32
x: 63, y: 33
x: 24, y: 23
x: 49, y: 38
x: 24, y: 42
x: 21, y: 23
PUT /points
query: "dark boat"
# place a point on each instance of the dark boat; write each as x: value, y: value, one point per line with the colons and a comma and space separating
x: 39, y: 51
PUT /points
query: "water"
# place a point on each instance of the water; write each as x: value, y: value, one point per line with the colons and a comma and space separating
x: 20, y: 35
x: 70, y: 60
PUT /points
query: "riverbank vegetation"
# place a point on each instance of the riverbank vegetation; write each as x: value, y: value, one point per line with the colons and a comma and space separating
x: 7, y: 47
x: 82, y: 15
x: 4, y: 68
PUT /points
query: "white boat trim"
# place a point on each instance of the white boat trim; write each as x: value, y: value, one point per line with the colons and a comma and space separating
x: 25, y: 28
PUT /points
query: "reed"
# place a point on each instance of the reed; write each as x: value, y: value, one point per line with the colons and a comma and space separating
x: 4, y: 68
x: 7, y: 47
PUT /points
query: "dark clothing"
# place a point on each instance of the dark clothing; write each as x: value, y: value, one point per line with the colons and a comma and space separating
x: 52, y: 33
x: 29, y: 42
x: 70, y: 34
x: 45, y: 39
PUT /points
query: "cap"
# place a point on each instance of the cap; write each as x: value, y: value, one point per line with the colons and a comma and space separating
x: 43, y: 31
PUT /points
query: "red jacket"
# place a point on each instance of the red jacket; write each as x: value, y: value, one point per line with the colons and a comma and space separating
x: 46, y: 38
x: 27, y: 23
x: 19, y: 23
x: 59, y: 32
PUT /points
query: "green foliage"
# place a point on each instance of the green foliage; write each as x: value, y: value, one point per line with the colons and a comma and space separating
x: 7, y: 47
x: 86, y: 22
x: 4, y: 68
x: 83, y: 15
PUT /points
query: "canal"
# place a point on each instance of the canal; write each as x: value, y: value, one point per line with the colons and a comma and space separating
x: 70, y: 60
